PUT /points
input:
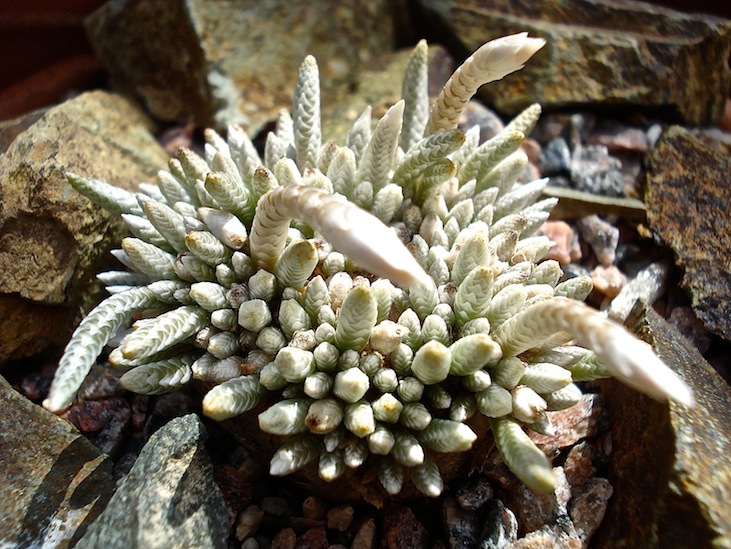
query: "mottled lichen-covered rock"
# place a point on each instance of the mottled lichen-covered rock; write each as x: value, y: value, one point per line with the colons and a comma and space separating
x: 53, y: 482
x: 231, y: 62
x: 52, y: 241
x: 169, y: 498
x: 623, y: 53
x: 670, y: 468
x: 688, y: 197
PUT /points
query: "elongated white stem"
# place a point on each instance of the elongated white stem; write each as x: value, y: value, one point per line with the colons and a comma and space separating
x: 630, y: 360
x: 491, y: 62
x: 351, y: 230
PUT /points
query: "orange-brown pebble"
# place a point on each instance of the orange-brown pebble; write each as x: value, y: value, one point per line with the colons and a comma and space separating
x: 608, y: 280
x: 567, y: 248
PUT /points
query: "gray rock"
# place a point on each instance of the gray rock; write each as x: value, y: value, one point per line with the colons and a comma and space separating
x: 500, y: 527
x: 53, y: 240
x: 594, y: 171
x: 556, y: 157
x: 601, y: 236
x: 216, y: 63
x: 669, y: 465
x: 535, y: 510
x: 688, y: 196
x: 53, y: 482
x: 462, y: 526
x: 618, y: 52
x: 169, y: 498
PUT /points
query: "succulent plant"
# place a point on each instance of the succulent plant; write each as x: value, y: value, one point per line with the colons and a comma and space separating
x: 384, y: 291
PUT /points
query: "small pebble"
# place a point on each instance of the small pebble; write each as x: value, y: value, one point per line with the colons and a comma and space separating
x: 556, y: 157
x: 549, y: 537
x: 402, y: 530
x: 649, y: 284
x: 594, y: 171
x: 567, y: 247
x: 608, y: 280
x: 94, y: 415
x: 235, y: 487
x: 313, y: 507
x: 578, y: 466
x: 476, y: 114
x: 285, y: 539
x: 102, y: 382
x: 622, y: 138
x: 500, y: 527
x: 601, y: 236
x: 462, y: 526
x: 589, y: 506
x: 365, y: 537
x: 473, y: 495
x: 314, y: 538
x: 35, y: 385
x: 535, y: 510
x: 587, y: 418
x: 340, y: 517
x: 248, y: 522
x: 112, y: 436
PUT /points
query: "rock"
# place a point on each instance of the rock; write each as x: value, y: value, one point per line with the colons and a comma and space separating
x: 688, y: 198
x: 601, y: 236
x: 608, y: 280
x: 648, y: 285
x: 578, y: 466
x: 462, y: 526
x: 500, y: 527
x: 556, y: 157
x: 168, y: 495
x: 566, y: 248
x: 535, y: 510
x: 340, y: 517
x: 248, y: 522
x: 365, y: 537
x: 53, y: 482
x: 594, y: 171
x: 314, y: 538
x: 573, y: 203
x: 53, y: 240
x: 10, y: 129
x: 285, y: 539
x: 623, y: 53
x: 588, y: 507
x: 474, y: 493
x: 380, y: 87
x: 402, y: 530
x: 691, y: 327
x: 550, y: 536
x: 669, y: 468
x: 587, y: 418
x: 218, y: 63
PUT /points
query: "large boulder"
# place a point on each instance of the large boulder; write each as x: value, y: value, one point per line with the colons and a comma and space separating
x: 52, y: 240
x: 618, y: 53
x: 217, y: 63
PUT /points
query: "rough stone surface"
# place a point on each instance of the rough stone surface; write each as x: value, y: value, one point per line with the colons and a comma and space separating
x: 500, y: 527
x: 231, y: 62
x: 586, y: 419
x: 623, y: 53
x: 402, y: 530
x: 669, y: 466
x: 379, y: 88
x: 688, y: 196
x: 589, y: 506
x: 462, y: 526
x: 53, y: 482
x: 169, y: 498
x: 52, y: 240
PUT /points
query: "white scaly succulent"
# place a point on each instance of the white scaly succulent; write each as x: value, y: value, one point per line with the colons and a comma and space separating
x: 383, y: 291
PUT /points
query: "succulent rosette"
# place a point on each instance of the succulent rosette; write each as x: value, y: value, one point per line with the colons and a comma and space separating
x: 383, y: 291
